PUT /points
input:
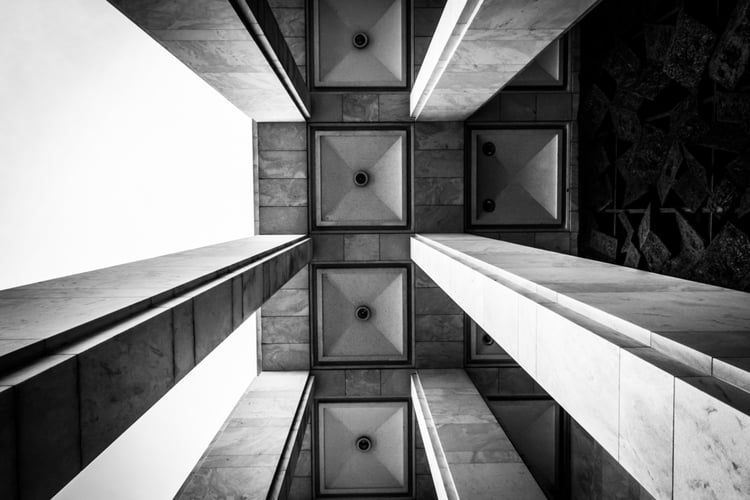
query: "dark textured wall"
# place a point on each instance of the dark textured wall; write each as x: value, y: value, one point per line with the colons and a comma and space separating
x: 665, y: 138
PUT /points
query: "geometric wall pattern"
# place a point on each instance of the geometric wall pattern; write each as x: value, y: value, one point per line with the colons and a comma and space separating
x: 362, y: 315
x: 517, y: 177
x: 363, y: 448
x: 360, y: 178
x: 377, y: 60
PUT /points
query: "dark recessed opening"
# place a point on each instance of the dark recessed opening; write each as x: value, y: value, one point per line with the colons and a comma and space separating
x: 487, y: 340
x: 488, y: 148
x: 363, y: 444
x: 362, y: 313
x: 360, y: 40
x: 361, y: 178
x: 488, y: 205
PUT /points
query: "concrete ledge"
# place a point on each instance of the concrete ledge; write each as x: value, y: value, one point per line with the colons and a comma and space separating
x: 70, y: 404
x: 254, y: 454
x: 469, y: 454
x: 674, y: 428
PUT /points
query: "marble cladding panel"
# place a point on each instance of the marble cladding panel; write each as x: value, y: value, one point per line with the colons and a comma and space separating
x: 282, y: 178
x: 646, y: 422
x: 283, y: 192
x: 113, y: 394
x: 47, y: 419
x: 385, y: 382
x: 711, y: 432
x: 212, y: 312
x: 362, y: 383
x: 244, y: 456
x: 360, y: 108
x: 360, y: 247
x: 285, y: 326
x: 282, y: 165
x: 439, y: 177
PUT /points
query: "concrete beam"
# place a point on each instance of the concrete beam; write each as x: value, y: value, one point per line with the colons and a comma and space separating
x: 469, y: 454
x: 68, y: 400
x: 479, y: 46
x: 254, y: 453
x: 586, y: 332
x: 236, y: 46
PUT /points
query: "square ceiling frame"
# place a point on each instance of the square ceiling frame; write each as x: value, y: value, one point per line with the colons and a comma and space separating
x: 315, y: 190
x: 312, y: 7
x: 563, y: 201
x: 564, y: 67
x: 317, y: 361
x: 410, y: 443
x: 473, y: 354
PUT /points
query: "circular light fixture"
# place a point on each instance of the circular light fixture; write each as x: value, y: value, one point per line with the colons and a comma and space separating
x: 488, y: 148
x: 361, y: 178
x: 487, y: 340
x: 363, y: 444
x: 488, y: 205
x: 362, y: 313
x: 360, y: 40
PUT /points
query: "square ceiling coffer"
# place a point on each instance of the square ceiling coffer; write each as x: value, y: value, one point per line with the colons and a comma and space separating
x: 364, y: 448
x: 517, y: 177
x: 360, y: 43
x: 361, y: 178
x: 362, y: 315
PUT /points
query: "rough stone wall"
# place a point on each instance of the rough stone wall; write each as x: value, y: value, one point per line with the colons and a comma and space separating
x: 665, y: 148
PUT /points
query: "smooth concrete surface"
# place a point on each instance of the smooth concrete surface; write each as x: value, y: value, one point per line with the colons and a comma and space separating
x: 241, y: 53
x: 38, y: 318
x: 253, y: 455
x: 468, y: 453
x: 585, y: 332
x: 77, y: 397
x: 479, y: 46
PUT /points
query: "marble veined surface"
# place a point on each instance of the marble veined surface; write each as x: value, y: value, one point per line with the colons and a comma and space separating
x: 469, y: 454
x: 32, y: 315
x: 653, y: 367
x: 481, y: 45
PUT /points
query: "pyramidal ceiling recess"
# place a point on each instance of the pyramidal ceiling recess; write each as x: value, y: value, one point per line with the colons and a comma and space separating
x: 361, y: 178
x: 363, y: 448
x: 546, y: 71
x: 517, y: 177
x: 360, y: 43
x: 362, y: 315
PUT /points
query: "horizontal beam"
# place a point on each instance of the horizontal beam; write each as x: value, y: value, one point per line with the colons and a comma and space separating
x: 479, y: 46
x: 468, y: 453
x: 253, y: 454
x: 39, y: 318
x: 63, y: 408
x: 583, y: 330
